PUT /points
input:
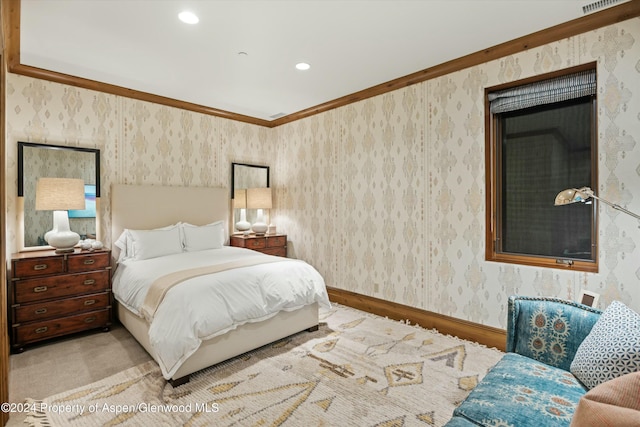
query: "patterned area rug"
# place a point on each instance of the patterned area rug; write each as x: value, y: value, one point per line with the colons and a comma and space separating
x: 358, y: 369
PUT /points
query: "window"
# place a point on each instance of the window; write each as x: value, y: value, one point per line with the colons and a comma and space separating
x: 541, y: 140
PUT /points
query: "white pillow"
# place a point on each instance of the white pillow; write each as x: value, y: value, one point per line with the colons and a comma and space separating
x: 199, y: 238
x: 155, y: 243
x: 125, y: 242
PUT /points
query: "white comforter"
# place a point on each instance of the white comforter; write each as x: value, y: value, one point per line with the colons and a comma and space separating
x: 204, y: 307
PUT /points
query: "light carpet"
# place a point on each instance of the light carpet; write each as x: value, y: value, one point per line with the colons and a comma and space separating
x: 358, y: 369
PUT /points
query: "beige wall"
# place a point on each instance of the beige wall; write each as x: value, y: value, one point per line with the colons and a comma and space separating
x: 386, y: 197
x: 139, y: 142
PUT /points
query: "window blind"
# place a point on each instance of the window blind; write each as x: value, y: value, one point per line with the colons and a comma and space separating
x: 549, y: 91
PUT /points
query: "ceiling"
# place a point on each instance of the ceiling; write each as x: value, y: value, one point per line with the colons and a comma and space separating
x: 241, y: 55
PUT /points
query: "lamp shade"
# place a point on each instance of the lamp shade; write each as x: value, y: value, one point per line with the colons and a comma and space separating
x: 59, y: 194
x: 240, y: 199
x: 573, y: 195
x: 259, y: 198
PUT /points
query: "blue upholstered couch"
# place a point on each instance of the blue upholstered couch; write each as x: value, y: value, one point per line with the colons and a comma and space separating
x: 531, y: 385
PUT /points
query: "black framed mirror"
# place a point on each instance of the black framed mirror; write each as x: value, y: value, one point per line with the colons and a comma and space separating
x: 243, y: 176
x: 43, y: 160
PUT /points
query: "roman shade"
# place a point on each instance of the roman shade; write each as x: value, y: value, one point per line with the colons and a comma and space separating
x: 548, y: 91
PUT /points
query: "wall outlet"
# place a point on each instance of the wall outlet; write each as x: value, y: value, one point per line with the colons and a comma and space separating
x: 589, y: 298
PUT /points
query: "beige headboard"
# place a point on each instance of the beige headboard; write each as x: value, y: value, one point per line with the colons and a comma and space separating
x: 143, y: 207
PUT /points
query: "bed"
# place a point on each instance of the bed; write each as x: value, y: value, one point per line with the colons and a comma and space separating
x: 197, y: 212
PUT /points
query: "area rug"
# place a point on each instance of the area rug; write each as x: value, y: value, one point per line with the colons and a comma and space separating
x: 358, y: 369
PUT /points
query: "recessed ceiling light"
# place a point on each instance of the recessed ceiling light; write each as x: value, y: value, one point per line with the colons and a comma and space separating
x: 303, y: 66
x: 188, y: 17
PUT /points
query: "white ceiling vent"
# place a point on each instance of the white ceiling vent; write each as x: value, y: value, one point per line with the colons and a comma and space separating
x: 277, y: 116
x: 598, y: 5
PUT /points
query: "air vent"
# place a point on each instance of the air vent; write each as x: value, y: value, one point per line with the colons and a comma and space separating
x: 597, y: 5
x: 277, y: 116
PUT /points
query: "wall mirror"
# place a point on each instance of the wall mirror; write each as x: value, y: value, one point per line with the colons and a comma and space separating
x: 42, y: 160
x: 245, y: 176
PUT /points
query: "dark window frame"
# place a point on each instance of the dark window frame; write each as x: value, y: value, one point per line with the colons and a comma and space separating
x: 493, y: 172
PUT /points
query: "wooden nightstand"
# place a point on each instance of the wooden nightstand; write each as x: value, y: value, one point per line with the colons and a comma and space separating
x: 51, y: 294
x: 274, y: 244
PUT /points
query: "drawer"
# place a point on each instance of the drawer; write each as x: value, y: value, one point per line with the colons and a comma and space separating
x: 60, y: 308
x: 256, y: 243
x: 88, y: 261
x: 55, y: 327
x: 32, y: 290
x: 34, y: 267
x: 275, y: 251
x: 276, y: 241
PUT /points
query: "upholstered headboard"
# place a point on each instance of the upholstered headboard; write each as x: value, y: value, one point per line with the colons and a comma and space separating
x: 144, y: 207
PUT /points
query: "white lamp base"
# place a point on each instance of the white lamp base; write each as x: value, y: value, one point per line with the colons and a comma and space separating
x: 243, y: 225
x: 260, y: 227
x: 61, y: 237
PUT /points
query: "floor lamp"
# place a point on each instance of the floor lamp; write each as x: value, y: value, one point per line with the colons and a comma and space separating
x: 574, y: 195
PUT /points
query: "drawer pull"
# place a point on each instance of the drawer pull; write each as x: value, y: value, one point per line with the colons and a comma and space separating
x: 39, y: 267
x: 42, y: 330
x: 40, y: 289
x: 90, y: 319
x: 89, y: 281
x: 90, y: 302
x: 89, y: 261
x: 40, y: 311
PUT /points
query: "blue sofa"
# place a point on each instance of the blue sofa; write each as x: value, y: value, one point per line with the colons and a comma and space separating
x: 531, y: 385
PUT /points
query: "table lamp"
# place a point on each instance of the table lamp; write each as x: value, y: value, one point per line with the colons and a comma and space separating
x: 240, y: 202
x: 260, y: 199
x: 59, y: 195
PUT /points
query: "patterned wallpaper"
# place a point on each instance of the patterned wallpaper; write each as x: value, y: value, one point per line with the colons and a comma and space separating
x: 386, y: 197
x: 139, y: 142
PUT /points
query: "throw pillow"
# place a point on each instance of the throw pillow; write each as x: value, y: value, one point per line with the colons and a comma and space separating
x: 611, y: 349
x: 613, y: 403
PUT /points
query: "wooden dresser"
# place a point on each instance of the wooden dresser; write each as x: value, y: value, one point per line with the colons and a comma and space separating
x: 51, y: 294
x: 273, y: 244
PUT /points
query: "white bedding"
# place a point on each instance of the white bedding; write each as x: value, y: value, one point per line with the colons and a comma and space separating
x: 206, y: 306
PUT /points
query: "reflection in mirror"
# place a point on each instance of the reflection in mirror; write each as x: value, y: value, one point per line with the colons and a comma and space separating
x: 40, y: 161
x: 245, y: 176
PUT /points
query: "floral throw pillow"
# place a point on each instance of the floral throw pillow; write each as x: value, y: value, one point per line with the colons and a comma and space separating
x: 611, y: 349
